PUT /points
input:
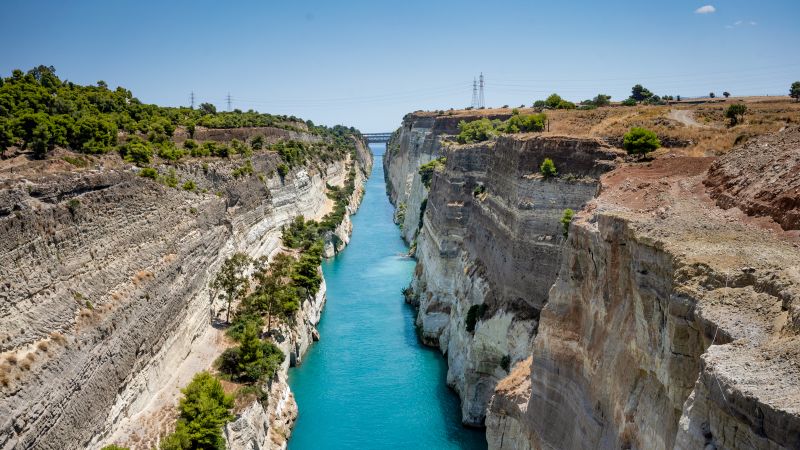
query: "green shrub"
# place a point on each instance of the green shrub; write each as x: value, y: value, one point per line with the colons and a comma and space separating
x: 167, y: 150
x: 475, y: 131
x: 736, y: 113
x: 148, y: 172
x: 137, y: 151
x: 257, y: 142
x: 189, y: 186
x: 170, y: 179
x: 73, y: 204
x: 640, y: 141
x: 245, y: 170
x: 283, y: 170
x: 252, y: 361
x: 114, y: 447
x: 241, y: 148
x: 563, y: 104
x: 628, y: 102
x: 523, y: 123
x: 426, y: 170
x: 566, y: 219
x: 190, y: 144
x: 548, y: 168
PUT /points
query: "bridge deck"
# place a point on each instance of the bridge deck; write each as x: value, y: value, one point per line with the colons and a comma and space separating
x: 377, y: 137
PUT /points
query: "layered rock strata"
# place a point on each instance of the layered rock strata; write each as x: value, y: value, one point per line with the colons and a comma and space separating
x: 671, y: 324
x: 490, y: 241
x: 106, y: 309
x: 667, y: 319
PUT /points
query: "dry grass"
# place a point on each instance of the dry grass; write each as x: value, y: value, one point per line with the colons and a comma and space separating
x: 142, y: 275
x: 713, y: 137
x: 58, y: 338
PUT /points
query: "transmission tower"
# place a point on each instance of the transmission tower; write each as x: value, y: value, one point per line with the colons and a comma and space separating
x: 228, y: 99
x: 191, y: 97
x: 481, y: 102
x: 474, y: 93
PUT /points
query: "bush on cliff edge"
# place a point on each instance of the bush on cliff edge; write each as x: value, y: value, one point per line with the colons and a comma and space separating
x: 640, y: 141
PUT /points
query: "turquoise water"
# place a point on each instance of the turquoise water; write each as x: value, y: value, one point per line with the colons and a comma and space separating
x: 369, y: 383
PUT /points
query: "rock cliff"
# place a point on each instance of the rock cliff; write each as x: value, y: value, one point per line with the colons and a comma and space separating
x: 105, y: 307
x: 662, y: 321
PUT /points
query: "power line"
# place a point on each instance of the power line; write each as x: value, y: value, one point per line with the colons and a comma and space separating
x: 229, y: 101
x: 191, y: 97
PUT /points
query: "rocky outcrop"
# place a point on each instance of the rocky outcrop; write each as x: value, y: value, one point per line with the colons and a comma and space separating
x: 105, y: 307
x: 761, y: 178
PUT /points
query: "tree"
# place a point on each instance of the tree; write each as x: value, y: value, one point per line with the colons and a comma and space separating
x: 726, y: 94
x: 678, y: 97
x: 6, y: 136
x: 640, y: 141
x: 548, y: 168
x: 566, y: 219
x: 601, y: 100
x: 711, y: 95
x: 640, y: 93
x: 204, y: 410
x: 736, y: 113
x: 207, y: 108
x: 252, y: 361
x: 794, y: 91
x: 273, y: 296
x: 232, y: 280
x: 553, y: 100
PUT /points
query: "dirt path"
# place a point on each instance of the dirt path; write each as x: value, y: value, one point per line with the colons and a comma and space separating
x: 685, y: 117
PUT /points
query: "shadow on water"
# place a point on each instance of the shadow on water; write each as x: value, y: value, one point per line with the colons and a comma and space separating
x: 369, y: 383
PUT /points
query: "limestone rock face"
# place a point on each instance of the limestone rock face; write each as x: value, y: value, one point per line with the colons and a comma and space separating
x: 490, y: 239
x: 667, y: 319
x: 105, y: 310
x: 671, y: 324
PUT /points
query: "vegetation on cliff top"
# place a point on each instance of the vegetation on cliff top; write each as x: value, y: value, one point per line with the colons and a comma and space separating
x: 484, y: 129
x: 39, y: 111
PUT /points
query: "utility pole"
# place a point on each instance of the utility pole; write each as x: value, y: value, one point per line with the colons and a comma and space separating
x: 191, y: 97
x: 229, y: 101
x: 481, y: 102
x: 474, y: 93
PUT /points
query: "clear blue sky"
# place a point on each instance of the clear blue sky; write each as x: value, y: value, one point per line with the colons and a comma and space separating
x: 367, y: 63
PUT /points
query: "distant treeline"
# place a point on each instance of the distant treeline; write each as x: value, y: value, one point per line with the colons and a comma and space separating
x: 39, y: 111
